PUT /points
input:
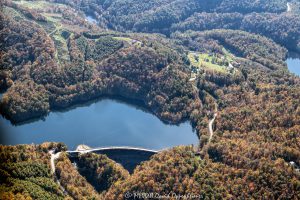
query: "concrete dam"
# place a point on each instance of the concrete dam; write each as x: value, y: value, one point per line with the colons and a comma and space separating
x: 128, y: 157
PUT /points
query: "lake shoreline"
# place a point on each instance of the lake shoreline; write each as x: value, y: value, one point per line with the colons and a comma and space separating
x: 136, y: 103
x: 99, y: 124
x: 293, y: 63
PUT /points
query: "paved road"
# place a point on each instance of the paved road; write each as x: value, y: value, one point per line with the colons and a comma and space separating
x: 54, y: 156
x: 52, y: 160
x: 210, y: 127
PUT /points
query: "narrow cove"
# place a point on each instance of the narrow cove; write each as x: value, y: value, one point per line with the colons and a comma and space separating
x: 293, y: 64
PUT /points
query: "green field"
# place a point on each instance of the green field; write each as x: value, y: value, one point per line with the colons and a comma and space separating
x: 38, y: 4
x: 211, y: 62
x: 53, y: 25
x: 129, y: 41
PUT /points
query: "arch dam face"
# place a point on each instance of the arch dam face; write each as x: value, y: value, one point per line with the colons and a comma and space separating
x: 128, y: 157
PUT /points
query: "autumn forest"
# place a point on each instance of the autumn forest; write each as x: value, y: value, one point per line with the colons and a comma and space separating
x: 218, y: 64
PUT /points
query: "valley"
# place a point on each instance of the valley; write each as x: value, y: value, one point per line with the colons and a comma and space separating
x: 209, y: 87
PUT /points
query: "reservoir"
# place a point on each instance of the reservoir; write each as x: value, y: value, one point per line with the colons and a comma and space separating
x: 100, y: 124
x: 293, y: 64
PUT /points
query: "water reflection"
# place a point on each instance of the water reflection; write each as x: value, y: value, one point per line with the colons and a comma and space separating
x: 293, y: 63
x: 104, y: 123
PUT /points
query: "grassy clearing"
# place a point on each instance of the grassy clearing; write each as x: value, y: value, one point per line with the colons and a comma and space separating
x: 212, y: 62
x: 12, y: 12
x: 52, y: 26
x: 61, y: 45
x: 53, y: 17
x: 230, y: 57
x: 205, y: 61
x: 38, y: 4
x: 53, y: 20
x: 129, y: 41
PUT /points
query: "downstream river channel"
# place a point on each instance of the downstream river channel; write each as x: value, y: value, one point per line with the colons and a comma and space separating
x: 101, y: 124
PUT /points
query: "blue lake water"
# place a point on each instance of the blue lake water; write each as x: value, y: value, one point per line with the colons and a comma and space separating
x: 294, y: 65
x: 104, y: 123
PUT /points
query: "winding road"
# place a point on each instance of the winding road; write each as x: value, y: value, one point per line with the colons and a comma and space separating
x: 54, y: 156
x: 210, y: 127
x: 52, y: 160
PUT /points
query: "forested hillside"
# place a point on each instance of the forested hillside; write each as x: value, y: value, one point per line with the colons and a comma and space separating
x: 63, y: 66
x: 26, y: 175
x: 218, y: 64
x: 277, y: 19
x: 186, y: 174
x: 283, y: 28
x: 25, y: 172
